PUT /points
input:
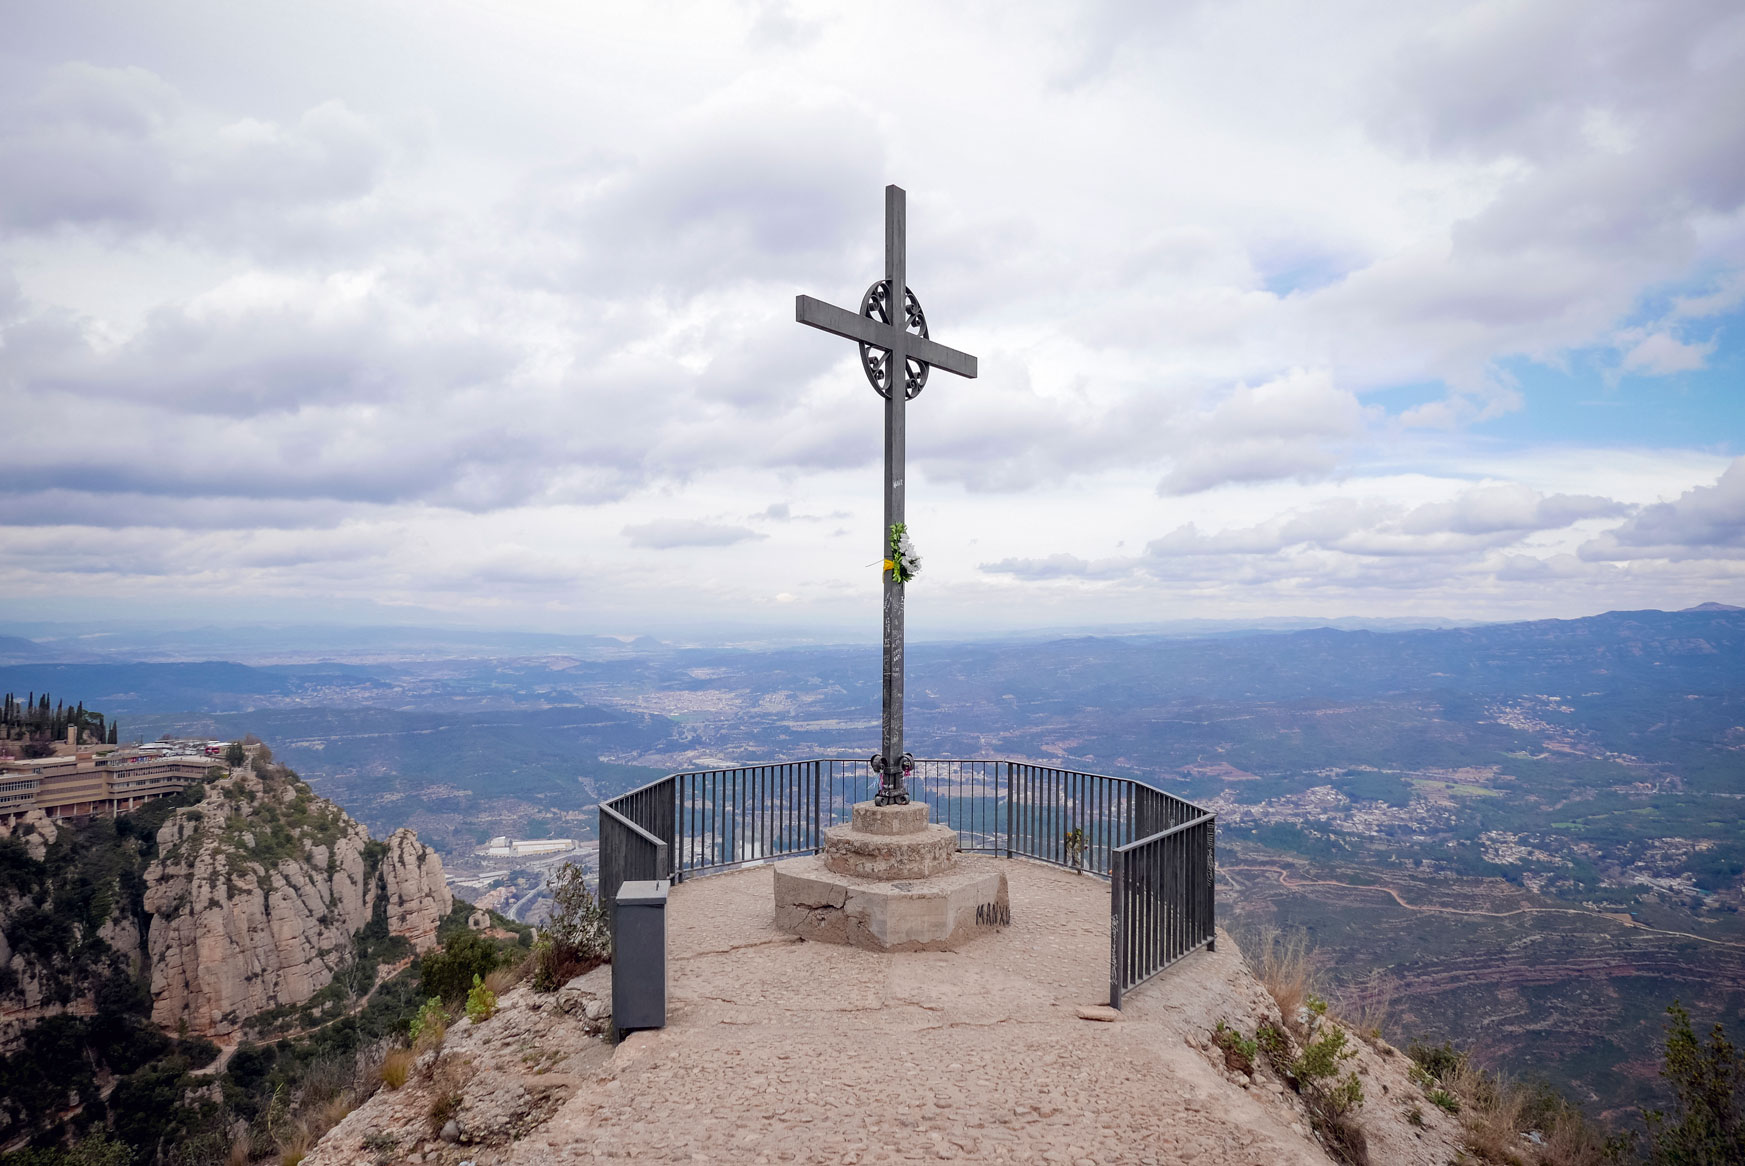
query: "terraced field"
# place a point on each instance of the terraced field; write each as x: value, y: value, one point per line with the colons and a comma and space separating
x: 1534, y: 986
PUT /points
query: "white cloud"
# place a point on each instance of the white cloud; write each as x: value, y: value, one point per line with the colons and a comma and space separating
x: 1660, y: 354
x: 1284, y: 428
x: 1703, y: 522
x: 668, y: 534
x: 119, y: 148
x: 463, y: 281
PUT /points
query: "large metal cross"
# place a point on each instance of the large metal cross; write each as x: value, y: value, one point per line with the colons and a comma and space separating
x: 896, y: 356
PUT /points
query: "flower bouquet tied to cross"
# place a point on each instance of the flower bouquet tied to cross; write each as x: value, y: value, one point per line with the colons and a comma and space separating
x: 902, y: 561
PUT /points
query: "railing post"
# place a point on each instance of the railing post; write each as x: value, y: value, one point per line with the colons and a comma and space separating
x: 1011, y: 805
x: 1211, y: 885
x: 1117, y: 926
x: 817, y: 780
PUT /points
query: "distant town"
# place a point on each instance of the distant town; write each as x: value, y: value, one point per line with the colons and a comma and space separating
x: 518, y: 889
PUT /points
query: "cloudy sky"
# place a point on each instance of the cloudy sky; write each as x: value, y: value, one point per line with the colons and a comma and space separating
x: 484, y: 312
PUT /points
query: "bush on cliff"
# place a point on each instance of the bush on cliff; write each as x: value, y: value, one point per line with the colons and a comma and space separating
x: 481, y: 1002
x: 577, y: 937
x: 1706, y: 1123
x: 448, y: 973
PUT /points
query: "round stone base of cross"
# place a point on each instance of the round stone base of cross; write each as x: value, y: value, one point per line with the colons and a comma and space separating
x: 889, y: 857
x: 890, y: 843
x: 903, y: 818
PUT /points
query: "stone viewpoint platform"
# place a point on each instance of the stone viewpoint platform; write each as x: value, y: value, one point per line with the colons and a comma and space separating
x: 778, y: 1050
x: 889, y: 881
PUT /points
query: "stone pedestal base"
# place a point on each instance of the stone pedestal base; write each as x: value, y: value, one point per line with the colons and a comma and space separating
x: 863, y: 854
x: 928, y: 914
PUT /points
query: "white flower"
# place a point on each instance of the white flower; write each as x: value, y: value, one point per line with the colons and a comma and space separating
x: 903, y: 562
x: 907, y: 556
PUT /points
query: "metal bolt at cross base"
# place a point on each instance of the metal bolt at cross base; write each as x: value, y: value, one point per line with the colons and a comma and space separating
x: 896, y: 353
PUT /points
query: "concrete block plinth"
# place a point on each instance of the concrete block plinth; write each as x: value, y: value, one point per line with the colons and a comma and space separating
x: 927, y: 914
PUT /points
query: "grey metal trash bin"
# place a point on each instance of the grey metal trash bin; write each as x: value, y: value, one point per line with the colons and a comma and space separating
x: 639, y: 956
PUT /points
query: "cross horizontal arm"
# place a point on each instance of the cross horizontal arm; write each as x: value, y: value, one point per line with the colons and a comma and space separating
x: 848, y: 325
x: 854, y: 326
x: 941, y: 357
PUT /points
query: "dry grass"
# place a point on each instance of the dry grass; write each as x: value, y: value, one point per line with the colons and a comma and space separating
x: 447, y: 1078
x: 1498, y: 1113
x: 241, y: 1150
x: 1364, y: 1008
x: 1493, y: 1111
x: 332, y: 1088
x: 334, y: 1111
x: 505, y: 978
x: 396, y: 1067
x: 1286, y: 972
x: 1572, y: 1140
x: 294, y: 1145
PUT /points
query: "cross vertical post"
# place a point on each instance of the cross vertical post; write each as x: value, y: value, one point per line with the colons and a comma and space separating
x: 892, y: 786
x: 896, y: 353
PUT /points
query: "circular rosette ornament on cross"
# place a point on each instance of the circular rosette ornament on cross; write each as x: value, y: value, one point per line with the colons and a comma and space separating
x: 901, y: 560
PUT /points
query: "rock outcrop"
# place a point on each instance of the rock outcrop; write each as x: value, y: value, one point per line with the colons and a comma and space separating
x: 417, y: 897
x: 37, y: 979
x: 496, y: 1082
x: 36, y: 830
x: 258, y: 892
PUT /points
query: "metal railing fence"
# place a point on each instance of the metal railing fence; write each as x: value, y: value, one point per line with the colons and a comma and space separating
x: 629, y: 852
x: 1156, y: 848
x: 1160, y: 902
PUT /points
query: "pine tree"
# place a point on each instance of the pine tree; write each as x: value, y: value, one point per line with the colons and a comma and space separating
x: 1707, y: 1124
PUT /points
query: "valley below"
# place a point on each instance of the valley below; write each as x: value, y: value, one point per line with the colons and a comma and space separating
x: 1524, y: 838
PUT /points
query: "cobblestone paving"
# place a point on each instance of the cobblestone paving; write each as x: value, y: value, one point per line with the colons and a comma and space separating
x: 783, y: 1051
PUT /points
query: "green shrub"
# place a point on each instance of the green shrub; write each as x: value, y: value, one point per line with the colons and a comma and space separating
x: 430, y: 1025
x: 1707, y: 1122
x: 481, y: 1002
x: 1239, y: 1051
x: 1439, y: 1061
x: 1075, y: 847
x: 576, y: 938
x: 1444, y: 1100
x: 1330, y: 1105
x: 1277, y: 1047
x: 1320, y: 1057
x: 449, y: 973
x: 1345, y: 1096
x: 249, y: 1065
x: 199, y: 1052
